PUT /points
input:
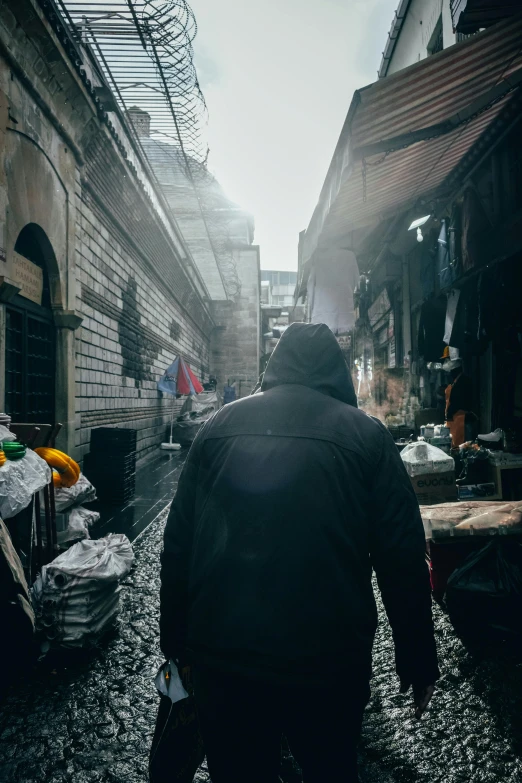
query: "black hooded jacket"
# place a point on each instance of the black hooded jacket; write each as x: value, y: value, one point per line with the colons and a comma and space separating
x: 288, y: 499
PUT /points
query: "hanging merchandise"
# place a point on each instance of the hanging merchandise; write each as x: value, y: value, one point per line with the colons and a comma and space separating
x: 333, y: 280
x: 443, y: 257
x: 431, y: 329
x: 455, y: 241
x: 474, y: 223
x: 427, y: 269
x: 451, y: 310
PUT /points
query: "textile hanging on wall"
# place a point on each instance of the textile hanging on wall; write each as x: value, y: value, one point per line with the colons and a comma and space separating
x: 331, y: 288
x: 431, y: 329
x: 455, y: 241
x: 451, y: 311
x: 427, y: 269
x: 474, y: 221
x: 447, y: 270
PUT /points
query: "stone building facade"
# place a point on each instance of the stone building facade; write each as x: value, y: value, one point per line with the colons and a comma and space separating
x: 220, y: 236
x: 98, y: 289
x: 236, y: 339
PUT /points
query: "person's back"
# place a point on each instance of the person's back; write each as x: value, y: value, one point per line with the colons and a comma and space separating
x: 288, y: 499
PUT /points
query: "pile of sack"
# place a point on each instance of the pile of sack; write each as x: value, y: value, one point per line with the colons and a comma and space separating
x: 72, y: 519
x: 76, y: 597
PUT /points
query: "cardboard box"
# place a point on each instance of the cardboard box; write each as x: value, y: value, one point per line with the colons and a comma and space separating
x: 477, y: 491
x: 433, y: 488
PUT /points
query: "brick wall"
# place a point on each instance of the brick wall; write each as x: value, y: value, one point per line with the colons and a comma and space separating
x: 139, y: 308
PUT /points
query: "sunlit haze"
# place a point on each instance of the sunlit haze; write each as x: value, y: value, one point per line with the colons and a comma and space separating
x: 278, y: 77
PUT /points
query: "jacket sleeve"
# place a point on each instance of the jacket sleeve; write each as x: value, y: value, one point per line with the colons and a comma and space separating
x: 175, y: 559
x: 398, y: 553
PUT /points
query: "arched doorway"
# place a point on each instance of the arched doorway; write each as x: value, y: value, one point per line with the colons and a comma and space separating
x: 30, y: 352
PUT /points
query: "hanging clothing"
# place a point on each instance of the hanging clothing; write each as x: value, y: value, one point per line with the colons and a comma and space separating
x: 445, y: 268
x: 474, y: 221
x: 333, y: 280
x: 427, y: 269
x: 431, y: 329
x: 451, y: 311
x: 455, y: 241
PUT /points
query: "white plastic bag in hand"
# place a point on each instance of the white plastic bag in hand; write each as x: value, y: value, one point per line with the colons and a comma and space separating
x: 168, y: 682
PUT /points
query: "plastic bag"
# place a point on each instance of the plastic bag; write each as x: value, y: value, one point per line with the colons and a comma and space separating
x: 177, y: 747
x: 422, y: 458
x: 6, y: 434
x: 484, y: 595
x: 204, y: 404
x: 168, y: 682
x: 81, y: 492
x: 79, y: 520
x: 19, y: 480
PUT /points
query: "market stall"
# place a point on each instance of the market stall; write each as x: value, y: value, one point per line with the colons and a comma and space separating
x: 179, y: 380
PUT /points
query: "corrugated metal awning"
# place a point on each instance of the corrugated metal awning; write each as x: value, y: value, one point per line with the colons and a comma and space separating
x: 405, y: 135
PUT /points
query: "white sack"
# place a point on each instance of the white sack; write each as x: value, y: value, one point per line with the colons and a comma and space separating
x: 105, y: 560
x: 19, y: 480
x: 81, y: 492
x: 79, y: 521
x: 423, y: 458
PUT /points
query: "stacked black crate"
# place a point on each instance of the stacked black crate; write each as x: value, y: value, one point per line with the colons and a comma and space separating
x: 111, y: 464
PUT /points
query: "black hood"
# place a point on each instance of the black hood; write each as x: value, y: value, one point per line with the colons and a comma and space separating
x: 309, y: 355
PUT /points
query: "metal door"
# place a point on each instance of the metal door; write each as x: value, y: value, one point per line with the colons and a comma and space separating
x: 30, y: 365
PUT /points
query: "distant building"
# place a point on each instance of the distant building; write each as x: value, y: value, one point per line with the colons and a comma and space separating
x: 278, y: 310
x: 422, y: 28
x: 281, y: 287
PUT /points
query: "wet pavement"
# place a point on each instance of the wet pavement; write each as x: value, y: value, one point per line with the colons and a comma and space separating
x: 156, y: 483
x: 89, y: 718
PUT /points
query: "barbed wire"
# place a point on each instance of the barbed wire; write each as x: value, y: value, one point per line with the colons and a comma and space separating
x: 144, y: 49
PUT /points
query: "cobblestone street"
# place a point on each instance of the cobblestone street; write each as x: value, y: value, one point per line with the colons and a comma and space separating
x: 92, y: 720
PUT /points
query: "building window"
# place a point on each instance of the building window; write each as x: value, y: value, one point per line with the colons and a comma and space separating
x: 436, y: 43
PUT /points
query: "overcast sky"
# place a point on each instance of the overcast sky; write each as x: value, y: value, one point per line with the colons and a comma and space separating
x: 278, y: 77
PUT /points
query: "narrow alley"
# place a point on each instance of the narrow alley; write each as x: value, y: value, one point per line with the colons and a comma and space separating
x: 261, y: 264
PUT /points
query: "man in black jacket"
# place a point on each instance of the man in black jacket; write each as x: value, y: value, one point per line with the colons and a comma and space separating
x: 287, y: 501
